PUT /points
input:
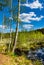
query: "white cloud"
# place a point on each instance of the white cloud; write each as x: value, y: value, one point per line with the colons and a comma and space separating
x: 27, y: 17
x: 10, y: 18
x: 27, y: 26
x: 33, y: 5
x: 37, y: 18
x: 2, y: 26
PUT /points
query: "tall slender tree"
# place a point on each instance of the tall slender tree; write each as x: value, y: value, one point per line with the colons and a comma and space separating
x: 17, y: 26
x: 2, y: 6
x: 10, y: 20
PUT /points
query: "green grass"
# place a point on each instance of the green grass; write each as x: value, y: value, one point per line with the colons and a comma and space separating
x: 26, y: 40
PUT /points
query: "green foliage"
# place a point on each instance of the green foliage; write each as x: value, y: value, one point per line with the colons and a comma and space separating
x: 27, y: 40
x: 38, y: 63
x: 2, y: 48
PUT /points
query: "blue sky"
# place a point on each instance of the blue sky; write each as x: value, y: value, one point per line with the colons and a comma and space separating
x: 31, y: 15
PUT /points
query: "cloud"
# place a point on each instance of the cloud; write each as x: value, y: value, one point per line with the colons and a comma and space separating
x: 34, y: 5
x: 37, y: 18
x: 10, y: 18
x: 2, y: 26
x: 28, y: 17
x: 28, y: 26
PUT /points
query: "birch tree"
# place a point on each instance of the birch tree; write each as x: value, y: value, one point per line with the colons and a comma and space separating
x: 17, y: 26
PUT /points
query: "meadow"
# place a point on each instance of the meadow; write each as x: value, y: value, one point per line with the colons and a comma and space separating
x: 26, y: 41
